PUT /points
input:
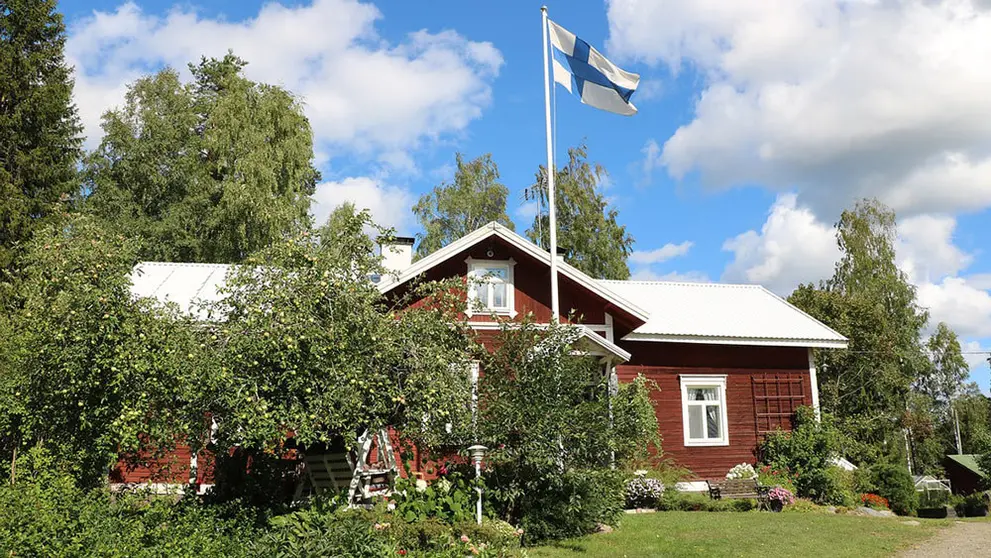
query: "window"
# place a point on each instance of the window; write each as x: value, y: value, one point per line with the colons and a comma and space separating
x: 492, y: 286
x: 703, y: 400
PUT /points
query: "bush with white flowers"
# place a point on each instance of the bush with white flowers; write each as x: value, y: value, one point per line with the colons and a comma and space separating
x: 642, y: 492
x: 742, y: 471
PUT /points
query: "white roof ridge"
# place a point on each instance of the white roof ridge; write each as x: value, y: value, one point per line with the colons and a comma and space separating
x: 684, y: 283
x: 183, y: 264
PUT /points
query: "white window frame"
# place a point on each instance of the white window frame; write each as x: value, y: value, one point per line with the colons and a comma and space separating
x: 704, y: 381
x: 510, y: 282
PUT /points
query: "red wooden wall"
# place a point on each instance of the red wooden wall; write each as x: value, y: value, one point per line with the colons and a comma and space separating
x: 771, y: 367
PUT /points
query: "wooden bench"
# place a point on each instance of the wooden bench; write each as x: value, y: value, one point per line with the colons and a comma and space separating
x: 739, y: 489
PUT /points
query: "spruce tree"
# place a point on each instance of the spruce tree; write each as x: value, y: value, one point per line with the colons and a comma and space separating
x: 40, y: 139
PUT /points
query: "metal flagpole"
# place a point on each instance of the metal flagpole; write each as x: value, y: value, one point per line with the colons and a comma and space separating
x: 551, y: 171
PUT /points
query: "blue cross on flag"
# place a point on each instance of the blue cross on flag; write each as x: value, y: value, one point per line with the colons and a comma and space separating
x: 583, y: 71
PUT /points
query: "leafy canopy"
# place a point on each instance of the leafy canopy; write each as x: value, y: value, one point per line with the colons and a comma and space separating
x: 92, y: 372
x: 587, y: 227
x: 39, y: 129
x: 452, y: 210
x: 306, y: 343
x: 207, y: 171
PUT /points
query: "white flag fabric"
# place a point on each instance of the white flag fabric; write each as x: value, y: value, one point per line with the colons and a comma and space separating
x: 587, y: 74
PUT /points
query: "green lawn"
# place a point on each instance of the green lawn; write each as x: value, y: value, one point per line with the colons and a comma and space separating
x: 747, y: 534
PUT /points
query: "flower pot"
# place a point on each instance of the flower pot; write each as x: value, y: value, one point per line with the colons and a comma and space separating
x: 776, y: 505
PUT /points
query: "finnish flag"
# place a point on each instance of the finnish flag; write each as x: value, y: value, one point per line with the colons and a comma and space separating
x: 583, y: 71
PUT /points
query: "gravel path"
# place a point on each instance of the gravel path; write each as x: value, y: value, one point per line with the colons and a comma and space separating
x: 962, y: 540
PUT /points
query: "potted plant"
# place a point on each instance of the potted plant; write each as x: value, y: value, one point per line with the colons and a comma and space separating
x: 778, y: 498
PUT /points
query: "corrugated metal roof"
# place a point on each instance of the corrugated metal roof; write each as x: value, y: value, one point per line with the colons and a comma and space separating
x: 720, y: 313
x: 185, y: 284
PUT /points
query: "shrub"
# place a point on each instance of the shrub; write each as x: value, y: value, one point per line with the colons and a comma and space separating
x: 767, y: 476
x: 891, y: 481
x: 449, y: 499
x: 972, y: 505
x: 742, y: 471
x: 549, y: 504
x: 803, y: 505
x: 874, y: 501
x: 782, y: 495
x: 839, y: 489
x: 805, y: 452
x: 673, y: 500
x: 643, y: 492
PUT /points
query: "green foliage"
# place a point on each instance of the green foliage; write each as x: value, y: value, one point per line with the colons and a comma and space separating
x: 672, y: 500
x: 554, y: 504
x: 888, y: 383
x: 207, y: 171
x: 971, y: 505
x: 310, y: 532
x: 544, y: 412
x: 802, y: 505
x: 46, y: 514
x: 450, y: 499
x: 39, y: 128
x: 308, y: 345
x: 769, y: 476
x: 635, y: 421
x: 94, y: 372
x: 891, y: 481
x: 588, y: 228
x: 806, y: 452
x: 452, y: 210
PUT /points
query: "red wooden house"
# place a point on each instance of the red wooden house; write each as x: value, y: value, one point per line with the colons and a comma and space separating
x: 733, y: 361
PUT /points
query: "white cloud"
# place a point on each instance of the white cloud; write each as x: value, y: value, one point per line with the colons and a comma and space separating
x: 976, y: 356
x: 388, y: 205
x: 836, y: 98
x: 528, y: 210
x: 361, y: 93
x: 966, y: 308
x: 792, y: 247
x: 660, y: 255
x: 647, y: 274
x: 651, y: 160
x: 926, y: 251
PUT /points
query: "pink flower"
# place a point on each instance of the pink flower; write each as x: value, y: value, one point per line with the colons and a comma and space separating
x: 465, y: 539
x: 442, y: 470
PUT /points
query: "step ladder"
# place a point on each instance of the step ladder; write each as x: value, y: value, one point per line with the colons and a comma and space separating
x: 355, y: 472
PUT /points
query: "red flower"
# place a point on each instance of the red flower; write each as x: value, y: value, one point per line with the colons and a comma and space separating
x: 442, y: 470
x: 401, y: 552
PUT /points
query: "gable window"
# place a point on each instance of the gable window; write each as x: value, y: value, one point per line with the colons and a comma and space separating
x: 703, y: 410
x: 491, y: 287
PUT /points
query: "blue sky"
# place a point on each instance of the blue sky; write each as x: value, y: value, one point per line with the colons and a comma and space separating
x: 759, y: 120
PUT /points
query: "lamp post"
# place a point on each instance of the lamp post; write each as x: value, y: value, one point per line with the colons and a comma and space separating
x: 477, y: 452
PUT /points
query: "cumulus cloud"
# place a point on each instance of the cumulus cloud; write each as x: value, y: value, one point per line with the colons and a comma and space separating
x: 388, y: 205
x: 960, y: 304
x: 926, y: 251
x: 837, y: 99
x: 660, y: 255
x: 792, y: 247
x: 361, y: 93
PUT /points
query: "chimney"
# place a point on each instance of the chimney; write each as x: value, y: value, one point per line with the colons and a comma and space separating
x: 397, y: 254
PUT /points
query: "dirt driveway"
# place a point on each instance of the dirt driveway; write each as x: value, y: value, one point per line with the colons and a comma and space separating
x: 961, y: 540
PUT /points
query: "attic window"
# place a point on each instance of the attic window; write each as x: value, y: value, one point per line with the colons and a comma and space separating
x: 491, y: 289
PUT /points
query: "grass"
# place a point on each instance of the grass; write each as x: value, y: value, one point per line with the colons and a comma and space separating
x: 747, y: 534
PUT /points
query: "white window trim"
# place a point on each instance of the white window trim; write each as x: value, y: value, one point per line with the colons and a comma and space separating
x: 716, y: 381
x: 510, y: 266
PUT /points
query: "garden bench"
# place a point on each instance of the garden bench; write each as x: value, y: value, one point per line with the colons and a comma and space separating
x: 739, y: 489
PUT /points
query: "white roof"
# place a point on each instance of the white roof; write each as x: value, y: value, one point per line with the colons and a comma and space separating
x: 721, y: 314
x: 185, y: 284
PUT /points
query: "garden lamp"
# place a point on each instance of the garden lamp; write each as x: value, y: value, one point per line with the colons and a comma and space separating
x: 477, y: 452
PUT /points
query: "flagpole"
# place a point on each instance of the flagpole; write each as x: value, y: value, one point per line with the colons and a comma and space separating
x: 551, y: 171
